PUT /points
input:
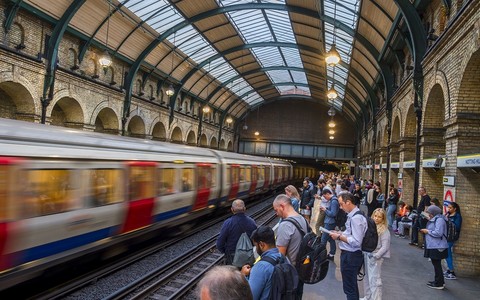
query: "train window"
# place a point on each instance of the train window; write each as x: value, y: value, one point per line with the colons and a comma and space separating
x: 166, y: 185
x: 106, y: 186
x: 213, y: 176
x: 142, y: 183
x: 48, y: 192
x: 187, y: 177
x: 242, y: 174
x: 261, y: 173
x: 228, y: 175
x: 204, y: 179
x: 235, y: 175
x: 248, y: 174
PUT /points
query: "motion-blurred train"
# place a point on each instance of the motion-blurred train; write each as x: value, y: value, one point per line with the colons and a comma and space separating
x: 66, y: 193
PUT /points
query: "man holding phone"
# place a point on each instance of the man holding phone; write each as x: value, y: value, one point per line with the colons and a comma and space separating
x: 329, y: 222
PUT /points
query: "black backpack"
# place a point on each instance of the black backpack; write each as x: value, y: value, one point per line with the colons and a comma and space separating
x: 370, y: 240
x: 452, y: 233
x: 340, y: 218
x: 284, y: 279
x: 312, y: 264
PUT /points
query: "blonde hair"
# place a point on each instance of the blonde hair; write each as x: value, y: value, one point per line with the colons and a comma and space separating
x: 293, y: 190
x: 383, y: 225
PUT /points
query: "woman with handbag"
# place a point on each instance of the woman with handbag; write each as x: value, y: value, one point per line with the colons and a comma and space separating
x: 436, y: 247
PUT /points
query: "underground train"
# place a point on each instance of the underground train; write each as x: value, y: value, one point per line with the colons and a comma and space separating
x: 68, y: 193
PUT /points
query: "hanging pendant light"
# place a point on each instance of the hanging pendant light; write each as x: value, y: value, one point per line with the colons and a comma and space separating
x: 331, y: 111
x: 331, y: 132
x: 331, y: 124
x: 229, y: 120
x: 332, y: 93
x: 170, y: 91
x: 105, y: 60
x: 257, y: 133
x: 332, y: 58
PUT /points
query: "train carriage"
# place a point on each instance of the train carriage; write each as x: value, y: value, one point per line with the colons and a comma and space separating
x: 66, y: 193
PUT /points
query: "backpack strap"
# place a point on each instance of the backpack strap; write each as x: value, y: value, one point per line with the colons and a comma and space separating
x: 299, y: 227
x: 270, y: 260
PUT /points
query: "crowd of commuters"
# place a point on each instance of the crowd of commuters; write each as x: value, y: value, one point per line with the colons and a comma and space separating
x: 318, y: 207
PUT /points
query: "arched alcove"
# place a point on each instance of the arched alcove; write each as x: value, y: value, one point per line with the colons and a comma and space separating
x: 222, y: 144
x: 107, y: 122
x: 203, y: 141
x: 159, y: 133
x: 16, y: 102
x: 136, y: 127
x: 177, y: 136
x: 213, y: 143
x: 230, y: 146
x: 191, y: 138
x: 67, y: 112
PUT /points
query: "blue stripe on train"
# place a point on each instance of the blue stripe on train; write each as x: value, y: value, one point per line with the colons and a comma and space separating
x: 170, y: 214
x: 45, y: 250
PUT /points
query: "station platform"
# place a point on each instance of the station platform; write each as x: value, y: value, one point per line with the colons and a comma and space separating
x: 404, y: 276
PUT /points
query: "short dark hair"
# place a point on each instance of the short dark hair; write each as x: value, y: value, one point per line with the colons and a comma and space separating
x: 326, y: 191
x: 347, y: 196
x: 263, y: 234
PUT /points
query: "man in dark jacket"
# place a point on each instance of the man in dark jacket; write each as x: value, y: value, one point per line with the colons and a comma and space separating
x: 307, y: 200
x: 420, y: 222
x: 232, y: 229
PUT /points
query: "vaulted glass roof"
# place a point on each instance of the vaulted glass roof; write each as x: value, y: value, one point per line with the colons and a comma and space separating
x: 237, y: 54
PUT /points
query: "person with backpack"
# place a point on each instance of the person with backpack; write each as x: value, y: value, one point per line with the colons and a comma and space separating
x: 351, y: 259
x: 232, y: 229
x: 372, y: 282
x: 329, y: 223
x: 262, y: 277
x: 436, y: 246
x: 289, y: 237
x: 454, y: 216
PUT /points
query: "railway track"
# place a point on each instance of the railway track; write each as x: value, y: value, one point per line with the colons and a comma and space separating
x: 169, y: 281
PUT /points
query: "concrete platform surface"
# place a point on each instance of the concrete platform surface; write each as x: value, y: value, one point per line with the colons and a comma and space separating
x: 404, y: 276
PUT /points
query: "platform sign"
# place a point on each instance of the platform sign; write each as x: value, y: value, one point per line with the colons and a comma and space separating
x: 448, y: 196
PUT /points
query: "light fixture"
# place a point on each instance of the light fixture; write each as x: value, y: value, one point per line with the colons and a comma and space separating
x: 332, y: 58
x: 332, y: 137
x: 170, y: 91
x: 229, y: 120
x: 331, y: 132
x: 331, y: 124
x: 331, y: 111
x: 106, y: 60
x: 245, y: 127
x: 206, y: 109
x: 257, y: 133
x: 332, y: 93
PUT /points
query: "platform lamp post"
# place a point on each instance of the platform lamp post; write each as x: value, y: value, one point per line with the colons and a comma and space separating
x: 106, y: 60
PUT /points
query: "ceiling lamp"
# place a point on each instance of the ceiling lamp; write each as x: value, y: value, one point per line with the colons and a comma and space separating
x: 331, y: 132
x: 332, y: 58
x: 332, y: 137
x: 229, y: 120
x: 332, y: 93
x: 170, y: 91
x: 331, y: 124
x: 206, y: 109
x: 257, y: 133
x: 331, y: 111
x: 105, y: 60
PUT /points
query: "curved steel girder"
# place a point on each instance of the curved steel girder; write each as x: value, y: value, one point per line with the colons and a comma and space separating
x: 53, y: 44
x: 84, y: 47
x: 264, y: 44
x: 10, y: 13
x: 386, y: 73
x: 352, y: 110
x: 415, y: 27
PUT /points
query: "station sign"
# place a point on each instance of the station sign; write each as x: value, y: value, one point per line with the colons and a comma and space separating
x: 409, y: 164
x: 468, y: 161
x: 430, y: 163
x: 449, y: 180
x: 395, y: 165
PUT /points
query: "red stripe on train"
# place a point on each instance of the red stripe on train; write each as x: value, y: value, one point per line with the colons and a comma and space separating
x: 139, y: 214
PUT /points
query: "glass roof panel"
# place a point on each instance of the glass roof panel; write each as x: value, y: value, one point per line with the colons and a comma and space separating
x: 161, y: 16
x: 345, y: 11
x: 261, y: 26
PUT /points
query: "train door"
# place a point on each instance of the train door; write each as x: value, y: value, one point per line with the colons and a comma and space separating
x: 204, y: 183
x: 141, y: 195
x: 260, y: 177
x: 253, y: 184
x: 275, y: 176
x: 234, y: 181
x: 267, y: 177
x: 6, y: 209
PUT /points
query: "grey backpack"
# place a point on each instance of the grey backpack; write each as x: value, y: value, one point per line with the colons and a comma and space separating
x: 243, y: 252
